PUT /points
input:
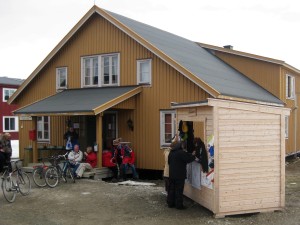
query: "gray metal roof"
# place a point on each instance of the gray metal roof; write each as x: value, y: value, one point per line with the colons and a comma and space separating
x: 210, y: 69
x: 75, y: 100
x: 11, y: 81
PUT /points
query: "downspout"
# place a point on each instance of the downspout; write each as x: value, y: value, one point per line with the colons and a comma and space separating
x: 295, y: 124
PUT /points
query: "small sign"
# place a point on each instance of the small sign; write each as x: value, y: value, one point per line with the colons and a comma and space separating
x: 76, y: 125
x: 25, y: 117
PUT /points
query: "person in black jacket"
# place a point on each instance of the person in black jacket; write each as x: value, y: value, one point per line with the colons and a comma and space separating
x: 178, y: 159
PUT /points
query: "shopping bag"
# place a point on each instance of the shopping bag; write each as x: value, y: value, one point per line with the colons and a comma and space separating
x: 69, y: 144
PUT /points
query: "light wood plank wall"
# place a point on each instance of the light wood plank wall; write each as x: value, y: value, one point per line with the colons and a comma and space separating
x: 249, y: 160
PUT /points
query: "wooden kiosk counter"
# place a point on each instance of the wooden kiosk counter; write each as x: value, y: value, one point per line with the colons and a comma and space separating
x: 249, y: 155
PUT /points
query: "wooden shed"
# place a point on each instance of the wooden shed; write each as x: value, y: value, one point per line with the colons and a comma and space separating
x: 249, y: 155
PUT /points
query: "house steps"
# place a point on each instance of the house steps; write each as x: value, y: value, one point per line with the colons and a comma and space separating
x: 96, y: 173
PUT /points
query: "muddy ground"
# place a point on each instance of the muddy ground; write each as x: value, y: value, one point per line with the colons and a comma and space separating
x: 97, y: 202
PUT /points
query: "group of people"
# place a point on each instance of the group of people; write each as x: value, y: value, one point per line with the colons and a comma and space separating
x: 5, y: 150
x: 176, y: 160
x: 79, y: 161
x: 122, y: 159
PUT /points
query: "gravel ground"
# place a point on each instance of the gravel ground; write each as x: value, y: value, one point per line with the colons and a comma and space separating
x: 97, y: 202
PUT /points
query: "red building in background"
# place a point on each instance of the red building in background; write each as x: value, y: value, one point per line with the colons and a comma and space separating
x: 8, y: 122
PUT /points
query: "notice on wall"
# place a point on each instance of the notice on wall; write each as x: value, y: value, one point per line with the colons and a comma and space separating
x: 194, y: 174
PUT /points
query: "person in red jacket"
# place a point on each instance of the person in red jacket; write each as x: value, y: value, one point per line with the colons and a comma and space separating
x: 90, y: 162
x: 128, y: 159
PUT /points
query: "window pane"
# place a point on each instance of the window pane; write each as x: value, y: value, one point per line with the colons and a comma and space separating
x: 145, y: 71
x: 6, y: 126
x: 12, y: 124
x: 114, y: 70
x: 95, y: 70
x: 168, y: 118
x: 106, y: 70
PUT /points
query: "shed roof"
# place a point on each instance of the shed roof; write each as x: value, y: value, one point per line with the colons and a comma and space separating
x: 84, y: 101
x: 204, y: 69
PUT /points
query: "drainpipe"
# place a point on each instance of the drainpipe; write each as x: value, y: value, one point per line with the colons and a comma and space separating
x: 295, y: 124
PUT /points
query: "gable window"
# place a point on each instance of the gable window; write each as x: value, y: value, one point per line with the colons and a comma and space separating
x: 43, y: 128
x: 144, y: 71
x: 167, y: 127
x: 7, y: 92
x: 10, y: 124
x: 61, y: 77
x: 286, y: 128
x: 290, y: 87
x: 105, y: 66
x: 110, y: 69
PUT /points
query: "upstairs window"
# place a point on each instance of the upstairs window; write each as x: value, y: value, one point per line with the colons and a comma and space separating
x: 144, y: 71
x: 43, y: 128
x: 290, y: 87
x: 90, y: 68
x: 102, y: 70
x: 61, y: 78
x: 7, y: 92
x: 167, y: 127
x: 10, y: 124
x: 110, y: 70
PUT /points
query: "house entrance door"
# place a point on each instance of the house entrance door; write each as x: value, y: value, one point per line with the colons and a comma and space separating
x: 109, y: 129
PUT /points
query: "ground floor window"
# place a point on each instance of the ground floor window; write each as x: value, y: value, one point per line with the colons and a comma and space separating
x: 10, y: 124
x: 43, y: 128
x: 167, y: 126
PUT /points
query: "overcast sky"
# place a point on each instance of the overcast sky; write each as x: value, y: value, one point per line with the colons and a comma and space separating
x: 30, y: 29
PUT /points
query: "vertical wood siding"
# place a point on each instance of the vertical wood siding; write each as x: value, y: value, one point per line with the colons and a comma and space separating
x: 98, y: 36
x: 292, y: 142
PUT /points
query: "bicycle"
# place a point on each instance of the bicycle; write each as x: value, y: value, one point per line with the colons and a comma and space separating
x: 14, y: 181
x: 55, y: 173
x: 38, y: 173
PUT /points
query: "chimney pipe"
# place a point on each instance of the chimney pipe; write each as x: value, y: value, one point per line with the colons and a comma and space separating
x: 228, y: 47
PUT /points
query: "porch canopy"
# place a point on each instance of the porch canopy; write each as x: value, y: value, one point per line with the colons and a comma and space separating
x: 83, y: 101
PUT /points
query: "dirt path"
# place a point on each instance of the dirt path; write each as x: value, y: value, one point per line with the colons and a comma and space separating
x: 97, y: 202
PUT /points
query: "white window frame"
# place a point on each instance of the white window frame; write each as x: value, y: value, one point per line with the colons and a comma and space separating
x: 163, y: 142
x: 110, y: 56
x: 16, y: 128
x: 10, y: 93
x: 290, y: 87
x: 91, y: 75
x: 286, y: 128
x: 139, y: 72
x: 41, y: 127
x: 60, y: 71
x: 100, y: 70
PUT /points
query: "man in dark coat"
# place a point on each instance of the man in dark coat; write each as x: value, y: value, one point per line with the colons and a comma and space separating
x: 178, y: 159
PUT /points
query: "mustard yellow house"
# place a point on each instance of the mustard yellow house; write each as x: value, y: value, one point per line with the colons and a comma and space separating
x: 111, y: 76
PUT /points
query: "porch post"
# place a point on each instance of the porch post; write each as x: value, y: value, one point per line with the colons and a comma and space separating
x: 99, y: 118
x: 35, y: 154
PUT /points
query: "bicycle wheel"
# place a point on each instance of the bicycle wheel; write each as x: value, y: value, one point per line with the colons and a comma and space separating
x: 70, y: 174
x: 9, y: 190
x: 38, y: 176
x: 51, y: 177
x: 24, y: 183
